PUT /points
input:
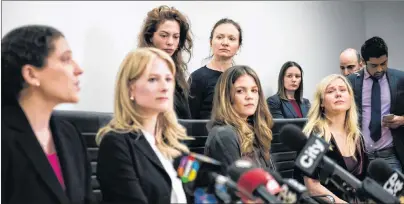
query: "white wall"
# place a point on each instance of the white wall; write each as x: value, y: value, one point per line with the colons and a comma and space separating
x: 101, y: 33
x: 386, y: 19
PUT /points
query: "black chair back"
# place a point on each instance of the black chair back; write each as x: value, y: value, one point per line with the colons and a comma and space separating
x: 88, y: 123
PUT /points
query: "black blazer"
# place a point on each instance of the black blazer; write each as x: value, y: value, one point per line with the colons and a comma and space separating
x: 27, y: 176
x: 129, y: 171
x: 396, y: 84
x: 280, y: 108
x: 181, y: 104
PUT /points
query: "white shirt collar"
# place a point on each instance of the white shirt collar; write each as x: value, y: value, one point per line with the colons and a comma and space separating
x: 150, y: 138
x: 177, y: 193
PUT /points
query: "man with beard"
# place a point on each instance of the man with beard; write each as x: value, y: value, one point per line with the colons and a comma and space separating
x: 379, y: 91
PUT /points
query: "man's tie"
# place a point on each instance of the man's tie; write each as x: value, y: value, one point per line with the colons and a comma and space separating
x: 375, y: 125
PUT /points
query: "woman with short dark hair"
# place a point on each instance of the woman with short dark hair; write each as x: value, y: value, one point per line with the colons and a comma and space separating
x: 44, y: 159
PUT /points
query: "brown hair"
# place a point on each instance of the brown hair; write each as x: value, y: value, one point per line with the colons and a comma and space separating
x: 223, y: 112
x: 226, y: 21
x: 281, y: 82
x: 158, y: 16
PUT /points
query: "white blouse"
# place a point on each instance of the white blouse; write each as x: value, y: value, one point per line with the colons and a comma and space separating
x: 177, y: 193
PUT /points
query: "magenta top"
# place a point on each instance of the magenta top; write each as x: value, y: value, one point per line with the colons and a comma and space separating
x: 54, y: 162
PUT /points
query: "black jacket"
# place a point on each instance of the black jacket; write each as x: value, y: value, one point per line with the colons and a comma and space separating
x: 129, y: 171
x: 284, y: 109
x: 27, y: 176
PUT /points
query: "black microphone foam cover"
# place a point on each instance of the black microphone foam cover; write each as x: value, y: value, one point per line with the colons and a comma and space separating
x: 380, y: 170
x: 292, y: 136
x: 238, y: 168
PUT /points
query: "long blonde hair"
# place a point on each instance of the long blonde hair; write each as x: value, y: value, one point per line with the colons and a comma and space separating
x: 223, y: 112
x: 126, y: 116
x: 318, y: 123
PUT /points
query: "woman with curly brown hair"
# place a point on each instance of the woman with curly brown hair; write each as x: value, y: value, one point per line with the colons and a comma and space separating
x: 168, y: 29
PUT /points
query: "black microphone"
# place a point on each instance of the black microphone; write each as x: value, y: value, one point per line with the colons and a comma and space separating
x: 312, y: 154
x: 391, y: 180
x: 225, y: 188
x: 254, y: 180
x: 191, y: 165
x: 192, y: 168
x: 292, y: 191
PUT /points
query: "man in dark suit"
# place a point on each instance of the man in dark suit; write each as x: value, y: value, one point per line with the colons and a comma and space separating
x: 379, y: 91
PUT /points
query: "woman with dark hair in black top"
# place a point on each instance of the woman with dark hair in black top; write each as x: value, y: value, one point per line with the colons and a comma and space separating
x: 44, y: 159
x: 225, y: 40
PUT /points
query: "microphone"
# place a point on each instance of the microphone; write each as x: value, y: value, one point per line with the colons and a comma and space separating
x: 256, y: 181
x: 188, y: 168
x: 214, y: 187
x: 313, y: 153
x: 190, y: 164
x: 291, y: 190
x: 223, y: 184
x: 201, y: 196
x: 391, y: 180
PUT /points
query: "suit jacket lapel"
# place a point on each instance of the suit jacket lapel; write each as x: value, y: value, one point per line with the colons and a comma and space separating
x: 393, y: 90
x: 358, y: 91
x: 290, y: 108
x: 35, y: 154
x: 143, y: 145
x: 66, y: 157
x: 304, y: 108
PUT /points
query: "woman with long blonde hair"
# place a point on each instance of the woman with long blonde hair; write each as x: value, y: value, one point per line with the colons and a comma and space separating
x: 333, y: 116
x: 240, y: 126
x: 137, y: 147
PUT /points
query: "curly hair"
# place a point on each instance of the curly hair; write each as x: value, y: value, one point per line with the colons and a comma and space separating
x: 156, y: 17
x: 26, y: 45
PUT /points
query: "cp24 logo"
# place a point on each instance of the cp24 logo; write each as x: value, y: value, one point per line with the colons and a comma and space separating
x: 394, y: 184
x: 188, y: 169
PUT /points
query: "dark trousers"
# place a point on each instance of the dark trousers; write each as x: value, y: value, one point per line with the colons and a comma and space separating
x: 389, y: 155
